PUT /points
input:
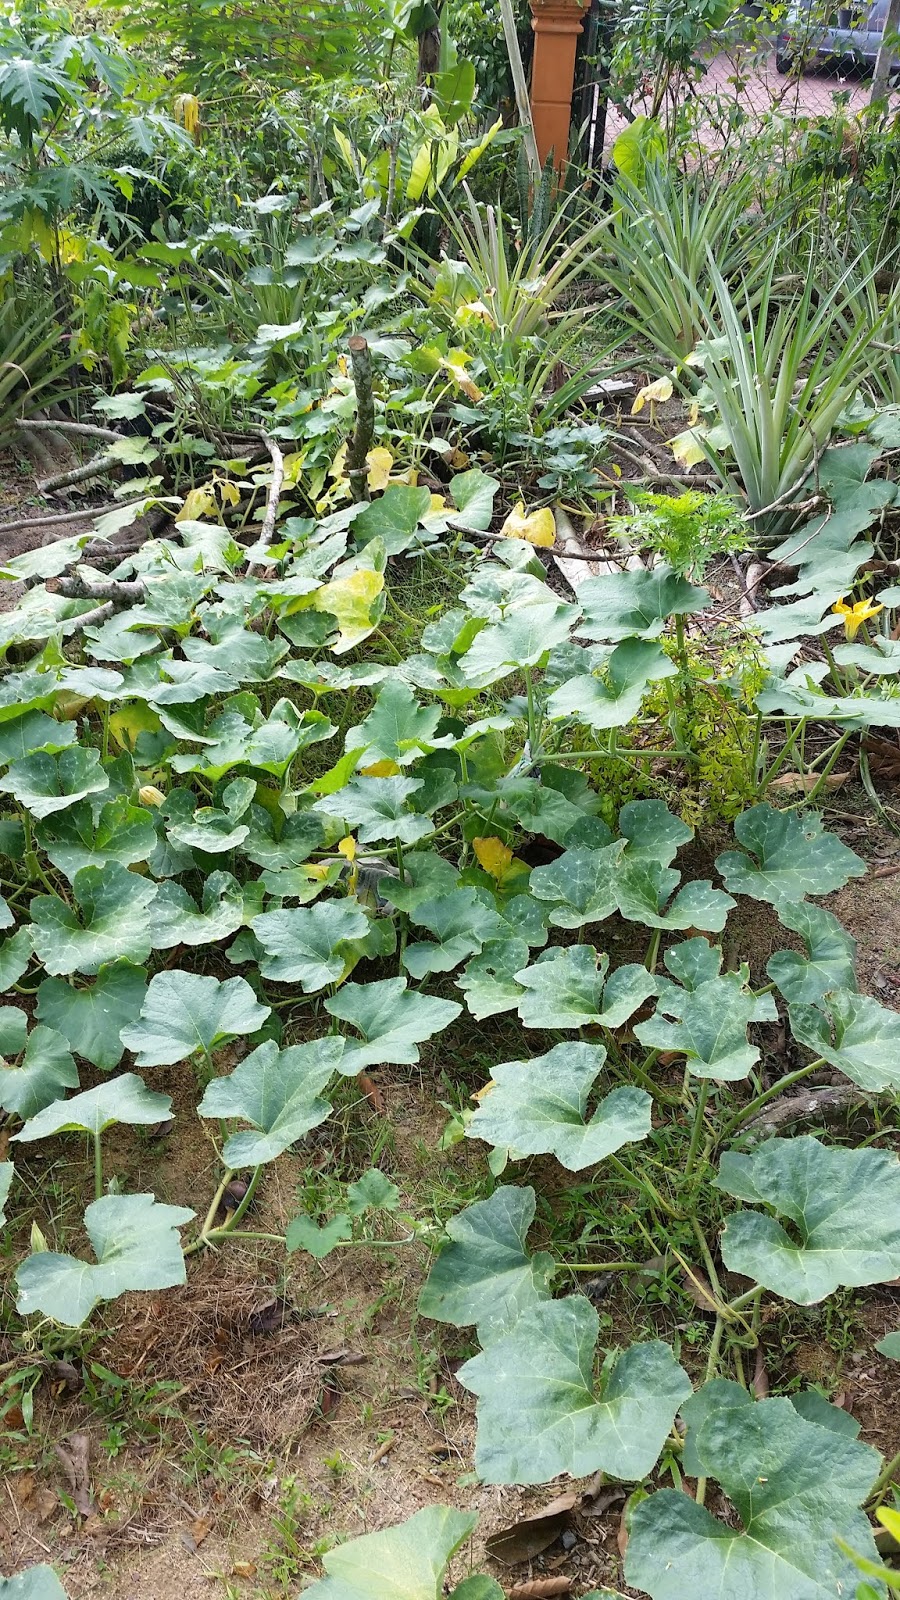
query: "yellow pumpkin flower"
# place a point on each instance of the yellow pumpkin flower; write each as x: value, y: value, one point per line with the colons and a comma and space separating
x: 854, y: 616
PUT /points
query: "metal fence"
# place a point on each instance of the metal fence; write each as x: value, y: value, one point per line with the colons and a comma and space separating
x: 740, y: 87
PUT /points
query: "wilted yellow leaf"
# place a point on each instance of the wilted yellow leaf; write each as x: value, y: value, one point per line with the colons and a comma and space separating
x: 339, y: 463
x: 125, y: 725
x: 438, y: 503
x: 687, y: 449
x: 475, y: 311
x: 229, y: 494
x: 187, y: 111
x: 197, y: 503
x: 493, y: 855
x: 660, y: 389
x: 379, y: 462
x: 354, y: 602
x: 537, y: 527
x: 381, y: 769
x: 347, y: 847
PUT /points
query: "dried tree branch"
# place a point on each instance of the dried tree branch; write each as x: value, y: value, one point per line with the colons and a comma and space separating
x: 267, y: 531
x: 364, y: 432
x: 121, y: 593
x: 88, y: 430
x: 90, y: 469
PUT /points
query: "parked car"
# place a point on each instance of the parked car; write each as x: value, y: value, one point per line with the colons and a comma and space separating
x: 847, y: 39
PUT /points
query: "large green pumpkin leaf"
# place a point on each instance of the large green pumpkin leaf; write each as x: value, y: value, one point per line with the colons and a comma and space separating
x: 888, y: 1346
x: 789, y: 857
x: 538, y: 1413
x: 46, y: 783
x: 22, y: 736
x: 394, y: 518
x: 408, y: 1562
x: 184, y: 1013
x: 91, y: 1017
x: 397, y: 728
x: 569, y: 988
x: 136, y: 1243
x: 122, y: 1099
x: 35, y: 1583
x: 461, y: 922
x: 488, y: 981
x: 473, y: 495
x: 377, y: 808
x: 539, y: 1107
x: 614, y: 699
x: 522, y: 639
x: 795, y: 1486
x: 484, y: 1274
x: 625, y: 604
x: 830, y: 956
x: 109, y: 921
x: 581, y: 883
x: 122, y: 833
x: 309, y: 945
x: 15, y: 954
x: 44, y: 1072
x: 279, y: 1093
x: 643, y: 889
x: 270, y: 746
x: 844, y: 1206
x: 709, y: 1025
x: 855, y: 1034
x: 392, y: 1019
x: 226, y: 906
x: 652, y: 832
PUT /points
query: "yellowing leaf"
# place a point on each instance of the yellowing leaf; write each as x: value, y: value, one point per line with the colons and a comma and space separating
x: 347, y: 847
x: 125, y: 725
x: 385, y: 768
x: 537, y: 527
x: 229, y: 494
x: 438, y: 503
x: 354, y: 602
x: 475, y: 311
x: 197, y: 503
x: 687, y: 449
x: 459, y: 460
x: 187, y: 112
x: 379, y: 462
x: 660, y: 389
x: 493, y: 855
x: 339, y: 463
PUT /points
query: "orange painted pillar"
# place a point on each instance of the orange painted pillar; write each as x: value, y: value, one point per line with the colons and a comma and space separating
x: 556, y: 24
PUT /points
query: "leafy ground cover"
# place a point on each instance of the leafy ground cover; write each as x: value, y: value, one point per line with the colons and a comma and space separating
x: 448, y: 934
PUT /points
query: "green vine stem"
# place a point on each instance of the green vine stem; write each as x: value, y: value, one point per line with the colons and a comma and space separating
x: 697, y: 1129
x: 763, y: 1099
x: 98, y: 1167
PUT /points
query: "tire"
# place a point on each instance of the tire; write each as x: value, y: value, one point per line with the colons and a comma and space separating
x: 783, y: 63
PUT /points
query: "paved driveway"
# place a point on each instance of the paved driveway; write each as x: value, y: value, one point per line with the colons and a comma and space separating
x: 758, y: 92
